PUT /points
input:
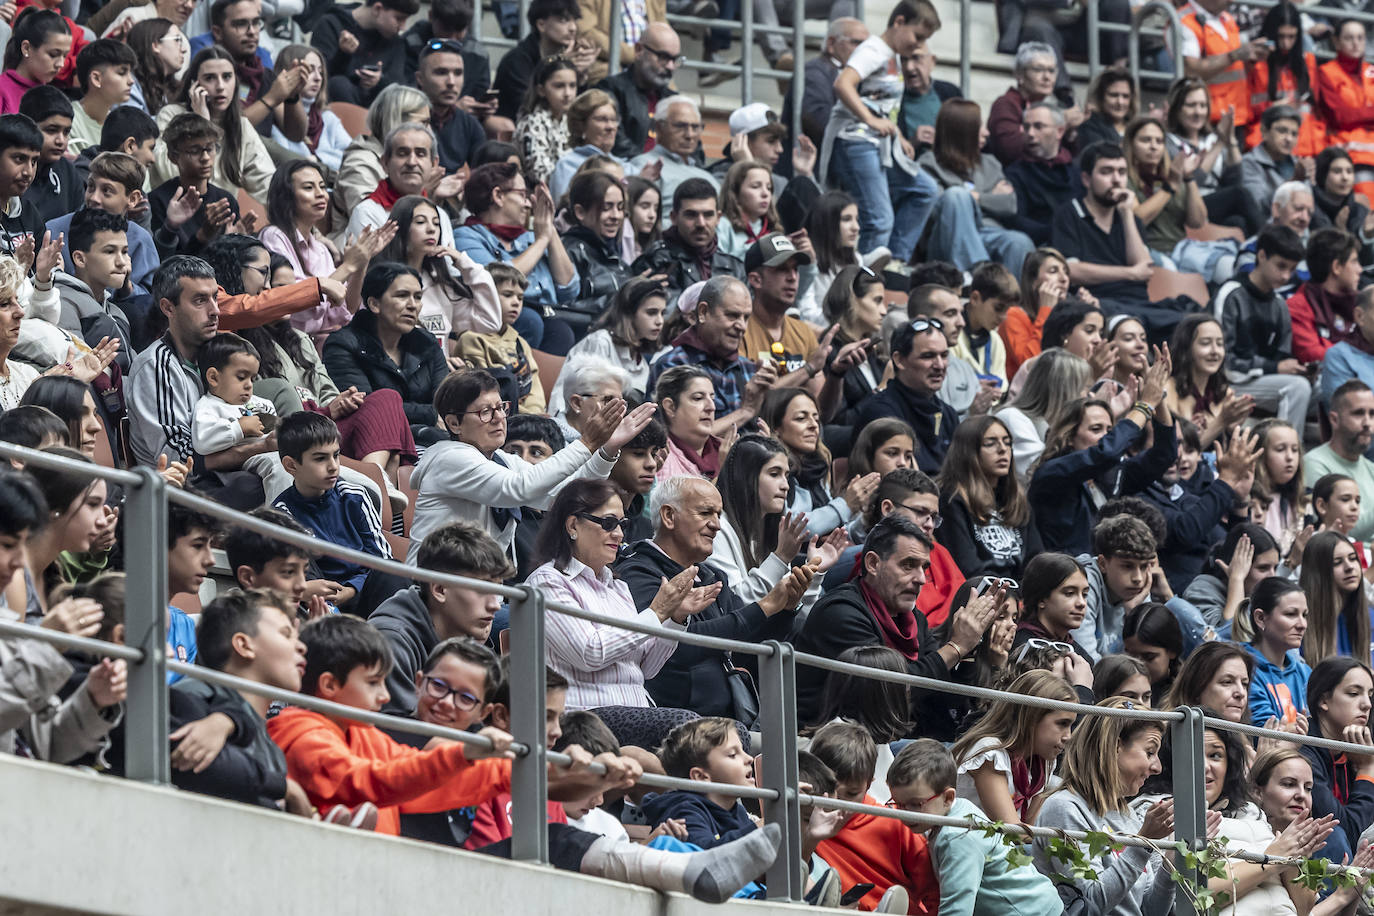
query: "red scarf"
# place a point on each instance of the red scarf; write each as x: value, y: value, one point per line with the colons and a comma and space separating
x: 755, y: 236
x: 251, y: 73
x: 899, y: 632
x: 1028, y: 778
x: 708, y: 461
x: 501, y: 231
x: 386, y: 195
x: 314, y: 127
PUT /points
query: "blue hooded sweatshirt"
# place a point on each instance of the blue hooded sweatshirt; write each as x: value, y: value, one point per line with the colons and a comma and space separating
x: 1274, y: 690
x: 708, y: 824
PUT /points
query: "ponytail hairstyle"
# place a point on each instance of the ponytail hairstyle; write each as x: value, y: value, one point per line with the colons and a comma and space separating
x: 34, y: 25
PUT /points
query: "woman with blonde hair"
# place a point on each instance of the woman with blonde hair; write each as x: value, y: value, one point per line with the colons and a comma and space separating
x: 1006, y: 760
x: 1057, y: 378
x: 1105, y: 764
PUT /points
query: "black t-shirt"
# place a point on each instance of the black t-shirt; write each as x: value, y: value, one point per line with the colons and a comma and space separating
x: 183, y: 241
x: 57, y: 189
x: 1077, y: 235
x: 18, y: 221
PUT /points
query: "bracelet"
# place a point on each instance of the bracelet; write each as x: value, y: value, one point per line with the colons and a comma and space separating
x: 1144, y: 408
x: 611, y: 458
x: 959, y: 650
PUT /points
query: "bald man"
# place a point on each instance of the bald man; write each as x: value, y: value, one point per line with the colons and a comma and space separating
x: 638, y: 87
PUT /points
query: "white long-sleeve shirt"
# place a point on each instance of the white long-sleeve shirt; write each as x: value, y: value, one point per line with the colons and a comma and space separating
x: 215, y: 426
x: 604, y: 665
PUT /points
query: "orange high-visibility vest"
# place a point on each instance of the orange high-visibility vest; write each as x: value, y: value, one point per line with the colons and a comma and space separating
x: 1312, y: 136
x: 1228, y: 88
x: 1347, y: 93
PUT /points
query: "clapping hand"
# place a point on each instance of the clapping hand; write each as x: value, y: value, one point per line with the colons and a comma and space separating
x: 791, y: 536
x: 184, y: 204
x: 48, y: 257
x: 108, y: 682
x: 825, y: 552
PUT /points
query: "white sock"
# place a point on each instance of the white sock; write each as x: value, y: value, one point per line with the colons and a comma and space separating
x: 712, y: 875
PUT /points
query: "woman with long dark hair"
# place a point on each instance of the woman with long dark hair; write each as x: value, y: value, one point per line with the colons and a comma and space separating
x: 596, y: 201
x: 625, y: 335
x: 1287, y: 76
x: 1279, y: 482
x: 833, y: 227
x: 1197, y: 387
x: 1234, y: 567
x: 795, y: 419
x: 72, y: 401
x: 1334, y: 201
x: 758, y: 537
x: 160, y: 50
x: 1216, y: 675
x: 36, y: 53
x: 456, y: 293
x: 643, y: 223
x: 1054, y: 601
x: 1340, y: 692
x: 1151, y: 634
x: 541, y: 129
x: 883, y: 708
x: 857, y: 302
x: 211, y: 90
x: 972, y: 221
x: 297, y: 213
x: 1188, y: 117
x: 988, y: 527
x: 1044, y: 284
x: 1338, y: 613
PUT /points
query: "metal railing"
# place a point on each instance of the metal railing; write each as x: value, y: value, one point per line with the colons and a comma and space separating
x: 146, y: 723
x: 745, y: 30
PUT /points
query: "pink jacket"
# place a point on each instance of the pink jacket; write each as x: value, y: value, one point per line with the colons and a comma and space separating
x: 318, y: 262
x: 677, y: 464
x: 12, y: 89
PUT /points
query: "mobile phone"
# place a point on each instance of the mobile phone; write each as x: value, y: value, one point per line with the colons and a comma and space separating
x: 492, y: 97
x: 855, y: 894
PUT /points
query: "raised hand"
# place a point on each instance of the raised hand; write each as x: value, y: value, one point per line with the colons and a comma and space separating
x: 1302, y: 837
x: 602, y: 423
x: 48, y: 257
x: 825, y: 552
x: 788, y: 592
x: 87, y: 366
x: 816, y: 358
x: 973, y: 619
x: 695, y: 601
x: 631, y: 426
x: 1241, y: 560
x: 108, y: 682
x: 860, y: 490
x: 185, y: 203
x: 24, y: 251
x: 804, y: 156
x: 671, y: 593
x: 791, y: 535
x: 1152, y: 385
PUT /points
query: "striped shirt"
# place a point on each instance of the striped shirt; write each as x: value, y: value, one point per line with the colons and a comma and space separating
x: 605, y: 666
x: 161, y: 395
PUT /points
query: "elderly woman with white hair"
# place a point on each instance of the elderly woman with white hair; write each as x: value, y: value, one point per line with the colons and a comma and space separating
x: 584, y: 385
x: 1036, y: 70
x: 625, y: 336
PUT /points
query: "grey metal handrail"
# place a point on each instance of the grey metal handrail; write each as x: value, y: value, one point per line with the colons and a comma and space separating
x: 146, y: 707
x: 1135, y: 29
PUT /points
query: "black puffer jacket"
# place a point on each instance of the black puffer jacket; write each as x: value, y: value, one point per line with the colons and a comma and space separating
x: 679, y: 265
x: 694, y: 677
x: 354, y: 356
x: 599, y: 267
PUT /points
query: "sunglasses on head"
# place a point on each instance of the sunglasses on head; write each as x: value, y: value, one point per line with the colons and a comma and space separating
x: 606, y: 522
x: 925, y: 324
x: 435, y: 45
x: 1036, y: 642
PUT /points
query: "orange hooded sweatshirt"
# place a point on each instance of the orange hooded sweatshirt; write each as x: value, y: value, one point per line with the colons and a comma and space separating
x: 883, y: 852
x: 338, y: 766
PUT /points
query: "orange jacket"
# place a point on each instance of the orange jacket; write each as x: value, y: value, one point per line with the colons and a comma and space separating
x: 1312, y: 136
x: 244, y: 311
x: 1022, y: 336
x: 338, y: 766
x: 884, y: 852
x: 1228, y: 88
x: 1347, y: 93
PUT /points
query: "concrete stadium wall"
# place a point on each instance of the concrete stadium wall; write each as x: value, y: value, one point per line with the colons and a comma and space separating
x: 80, y: 842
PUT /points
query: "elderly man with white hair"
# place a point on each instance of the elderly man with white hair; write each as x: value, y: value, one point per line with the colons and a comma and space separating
x: 1294, y: 207
x: 678, y: 122
x: 686, y: 512
x: 584, y: 385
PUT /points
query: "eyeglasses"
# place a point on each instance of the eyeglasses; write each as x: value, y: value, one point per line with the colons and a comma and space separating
x: 666, y: 59
x: 1034, y: 642
x: 265, y: 271
x: 240, y: 25
x: 608, y: 523
x: 437, y: 690
x: 202, y: 152
x: 523, y: 192
x: 912, y: 806
x: 687, y: 127
x: 487, y: 414
x: 923, y: 515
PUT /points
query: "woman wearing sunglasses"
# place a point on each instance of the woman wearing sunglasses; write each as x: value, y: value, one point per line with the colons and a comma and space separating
x: 468, y: 478
x: 580, y: 538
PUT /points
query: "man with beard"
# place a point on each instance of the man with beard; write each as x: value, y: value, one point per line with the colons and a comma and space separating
x: 410, y: 157
x: 1104, y: 243
x: 920, y: 361
x: 687, y: 252
x: 440, y: 77
x: 1352, y: 430
x: 638, y: 88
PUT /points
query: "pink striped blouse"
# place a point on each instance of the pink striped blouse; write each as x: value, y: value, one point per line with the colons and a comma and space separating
x: 605, y: 666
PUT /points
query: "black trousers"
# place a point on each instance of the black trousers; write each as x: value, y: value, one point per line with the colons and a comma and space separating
x: 567, y: 847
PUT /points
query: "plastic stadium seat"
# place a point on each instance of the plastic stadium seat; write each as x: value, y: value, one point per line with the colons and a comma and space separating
x: 354, y: 117
x: 549, y: 367
x: 1165, y: 284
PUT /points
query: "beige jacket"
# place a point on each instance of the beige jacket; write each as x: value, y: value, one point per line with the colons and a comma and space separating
x: 254, y: 160
x: 595, y: 24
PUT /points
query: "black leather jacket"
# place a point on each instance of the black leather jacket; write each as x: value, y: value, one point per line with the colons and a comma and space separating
x: 634, y: 114
x: 599, y: 266
x: 680, y: 266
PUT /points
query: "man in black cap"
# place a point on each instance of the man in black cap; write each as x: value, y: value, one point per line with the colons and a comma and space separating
x: 771, y: 265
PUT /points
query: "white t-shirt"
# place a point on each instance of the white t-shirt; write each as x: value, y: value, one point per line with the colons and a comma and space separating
x: 880, y: 87
x: 983, y: 752
x: 13, y: 385
x: 599, y: 821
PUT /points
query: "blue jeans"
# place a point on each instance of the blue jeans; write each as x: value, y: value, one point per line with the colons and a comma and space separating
x: 1007, y: 247
x: 893, y: 204
x: 959, y: 235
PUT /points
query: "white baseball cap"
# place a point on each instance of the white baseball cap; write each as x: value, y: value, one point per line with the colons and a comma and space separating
x: 751, y: 117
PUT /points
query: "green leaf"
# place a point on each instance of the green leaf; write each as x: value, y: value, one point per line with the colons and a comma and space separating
x: 1016, y: 858
x: 1099, y: 843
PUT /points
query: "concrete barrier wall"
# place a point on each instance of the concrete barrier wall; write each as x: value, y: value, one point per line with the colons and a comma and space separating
x: 79, y: 842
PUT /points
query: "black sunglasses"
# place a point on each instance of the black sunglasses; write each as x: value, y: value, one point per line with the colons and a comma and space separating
x: 607, y: 522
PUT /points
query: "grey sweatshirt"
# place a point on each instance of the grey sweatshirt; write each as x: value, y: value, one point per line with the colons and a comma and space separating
x: 1134, y: 883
